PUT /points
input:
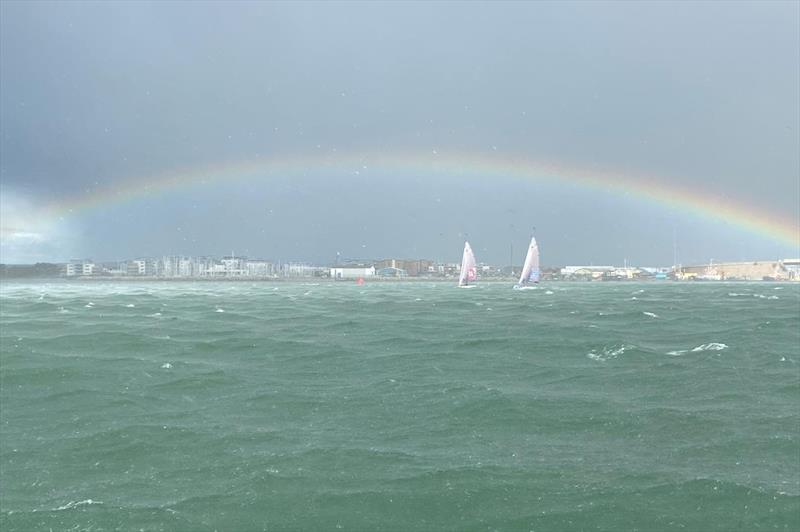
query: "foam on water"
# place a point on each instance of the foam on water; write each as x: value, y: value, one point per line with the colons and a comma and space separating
x: 713, y: 346
x: 75, y: 504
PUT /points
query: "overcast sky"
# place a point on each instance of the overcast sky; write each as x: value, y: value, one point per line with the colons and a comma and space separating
x: 95, y: 96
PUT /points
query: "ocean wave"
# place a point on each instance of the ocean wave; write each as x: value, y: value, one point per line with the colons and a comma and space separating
x: 713, y: 346
x: 609, y: 352
x: 75, y: 504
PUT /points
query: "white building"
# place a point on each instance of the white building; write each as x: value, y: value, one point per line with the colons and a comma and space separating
x: 345, y: 272
x: 141, y: 267
x: 185, y: 267
x: 233, y: 267
x: 298, y: 269
x: 258, y: 268
x: 80, y: 267
x: 593, y: 272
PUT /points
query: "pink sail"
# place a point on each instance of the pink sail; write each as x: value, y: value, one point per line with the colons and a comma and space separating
x: 469, y: 268
x: 530, y: 271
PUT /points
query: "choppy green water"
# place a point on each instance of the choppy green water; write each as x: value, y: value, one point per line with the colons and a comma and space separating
x: 399, y: 407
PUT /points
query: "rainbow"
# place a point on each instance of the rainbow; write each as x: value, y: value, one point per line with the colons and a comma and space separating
x: 784, y: 229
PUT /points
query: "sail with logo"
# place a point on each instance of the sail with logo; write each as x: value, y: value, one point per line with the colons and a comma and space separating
x: 469, y: 268
x: 530, y: 271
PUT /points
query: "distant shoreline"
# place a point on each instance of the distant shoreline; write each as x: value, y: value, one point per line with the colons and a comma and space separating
x: 367, y: 280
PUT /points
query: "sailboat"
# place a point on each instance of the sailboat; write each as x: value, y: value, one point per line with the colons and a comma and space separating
x: 530, y: 270
x: 469, y: 268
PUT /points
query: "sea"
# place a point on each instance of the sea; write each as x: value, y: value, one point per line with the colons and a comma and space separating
x: 406, y: 406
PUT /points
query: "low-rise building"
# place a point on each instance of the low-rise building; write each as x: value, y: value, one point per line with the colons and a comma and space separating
x: 585, y: 272
x: 351, y: 272
x: 298, y: 269
x: 77, y: 268
x: 744, y: 271
x: 258, y: 268
x: 391, y: 272
x: 412, y: 267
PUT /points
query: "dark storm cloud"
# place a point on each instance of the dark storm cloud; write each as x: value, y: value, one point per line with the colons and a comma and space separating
x: 702, y: 93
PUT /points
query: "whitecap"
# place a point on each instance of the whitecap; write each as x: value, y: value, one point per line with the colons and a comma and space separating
x: 75, y: 504
x: 651, y: 314
x: 677, y: 353
x: 166, y: 365
x: 549, y: 293
x: 220, y: 310
x: 608, y: 352
x: 154, y: 315
x: 713, y: 346
x: 634, y: 298
x: 130, y: 305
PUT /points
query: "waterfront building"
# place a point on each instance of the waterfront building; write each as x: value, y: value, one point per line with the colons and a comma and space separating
x: 71, y: 269
x: 233, y: 266
x: 351, y: 272
x: 585, y: 272
x: 142, y: 267
x: 185, y: 267
x: 391, y: 272
x: 258, y: 268
x: 77, y: 268
x: 298, y: 269
x: 741, y: 271
x: 412, y: 267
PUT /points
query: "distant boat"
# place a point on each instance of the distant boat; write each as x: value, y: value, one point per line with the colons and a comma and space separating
x: 530, y: 270
x: 469, y: 268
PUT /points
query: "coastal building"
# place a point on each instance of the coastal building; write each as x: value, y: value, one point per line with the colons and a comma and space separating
x: 792, y: 267
x: 185, y: 267
x: 736, y: 271
x: 232, y: 266
x: 391, y: 272
x: 351, y: 272
x: 258, y: 268
x: 141, y: 267
x: 449, y: 269
x: 585, y: 272
x: 299, y: 269
x: 77, y: 268
x: 412, y: 267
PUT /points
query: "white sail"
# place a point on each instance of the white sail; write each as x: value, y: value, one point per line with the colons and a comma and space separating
x: 530, y: 271
x: 469, y: 268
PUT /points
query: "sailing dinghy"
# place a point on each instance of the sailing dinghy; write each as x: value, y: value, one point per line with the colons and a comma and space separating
x: 469, y: 268
x: 530, y: 271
